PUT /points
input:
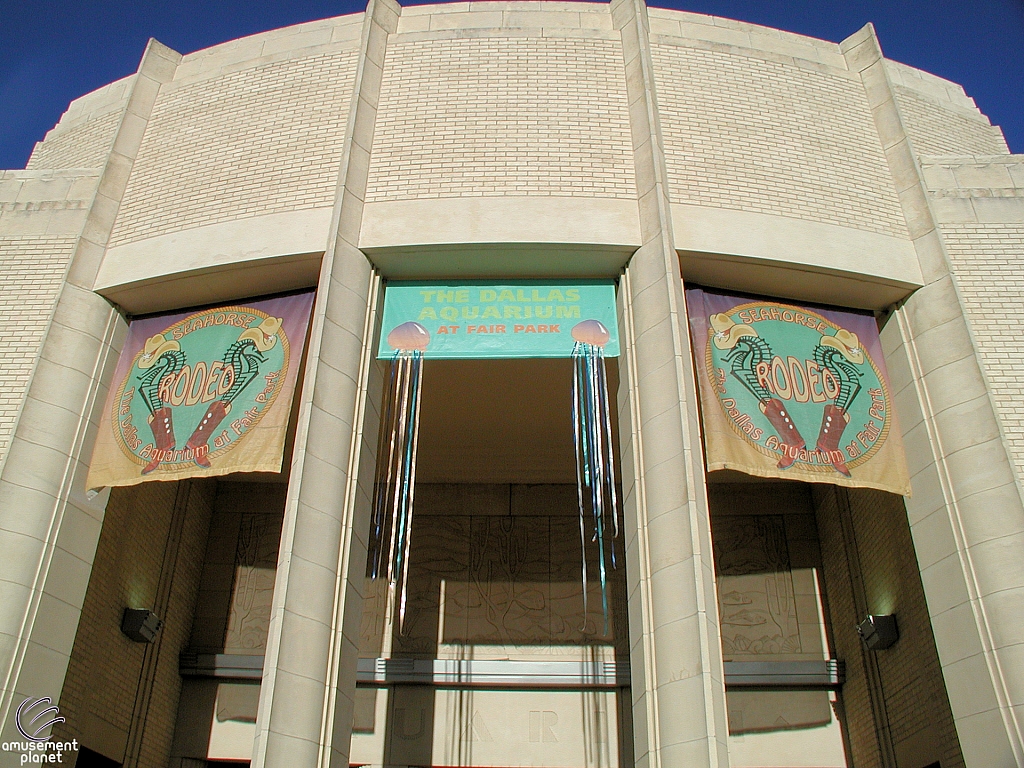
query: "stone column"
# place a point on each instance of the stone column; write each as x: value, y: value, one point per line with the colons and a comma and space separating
x: 306, y: 701
x: 48, y: 526
x: 966, y: 513
x: 679, y: 714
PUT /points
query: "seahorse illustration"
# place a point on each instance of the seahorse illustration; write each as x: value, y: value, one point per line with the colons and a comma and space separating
x: 840, y: 355
x: 747, y: 350
x: 160, y: 359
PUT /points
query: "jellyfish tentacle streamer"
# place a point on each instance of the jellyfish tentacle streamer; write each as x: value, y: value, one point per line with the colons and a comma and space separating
x: 385, y: 461
x: 595, y: 467
x: 409, y: 480
x: 391, y: 525
x: 580, y: 470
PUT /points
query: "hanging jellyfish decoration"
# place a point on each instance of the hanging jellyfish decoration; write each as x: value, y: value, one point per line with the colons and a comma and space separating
x: 396, y: 463
x: 595, y: 463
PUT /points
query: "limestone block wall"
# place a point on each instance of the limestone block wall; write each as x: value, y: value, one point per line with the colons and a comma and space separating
x: 253, y: 127
x: 978, y: 207
x: 763, y: 121
x: 233, y: 607
x: 41, y: 214
x: 509, y: 558
x: 85, y: 133
x: 939, y: 117
x: 979, y: 204
x: 490, y: 101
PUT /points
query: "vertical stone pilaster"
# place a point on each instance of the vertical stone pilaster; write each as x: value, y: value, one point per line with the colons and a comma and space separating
x: 306, y: 701
x: 679, y: 714
x: 959, y: 465
x: 46, y: 517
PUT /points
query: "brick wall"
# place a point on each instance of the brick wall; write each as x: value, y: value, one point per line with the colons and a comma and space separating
x: 978, y: 202
x: 103, y: 673
x: 83, y: 146
x: 843, y: 610
x: 263, y: 139
x: 986, y: 259
x: 41, y: 214
x: 939, y: 117
x: 870, y: 567
x: 758, y: 134
x: 149, y: 556
x: 937, y: 129
x: 502, y: 116
x: 85, y: 133
x: 31, y: 271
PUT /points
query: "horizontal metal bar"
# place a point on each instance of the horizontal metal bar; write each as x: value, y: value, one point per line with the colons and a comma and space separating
x: 826, y: 674
x: 493, y: 674
x: 470, y: 673
x: 224, y: 665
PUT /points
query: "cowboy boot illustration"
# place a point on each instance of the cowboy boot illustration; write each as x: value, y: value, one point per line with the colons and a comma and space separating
x: 833, y: 421
x: 788, y: 433
x: 214, y: 415
x: 163, y: 435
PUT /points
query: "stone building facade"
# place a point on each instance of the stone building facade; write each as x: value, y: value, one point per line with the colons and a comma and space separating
x: 513, y: 141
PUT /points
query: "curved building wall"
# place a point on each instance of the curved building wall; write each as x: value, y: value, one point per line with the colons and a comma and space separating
x: 985, y: 256
x: 236, y: 140
x: 544, y: 116
x: 41, y: 216
x: 749, y: 128
x: 519, y: 140
x: 85, y: 133
x: 939, y: 117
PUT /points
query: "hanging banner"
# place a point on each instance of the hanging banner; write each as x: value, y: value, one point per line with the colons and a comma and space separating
x: 462, y: 320
x: 202, y: 394
x: 794, y: 392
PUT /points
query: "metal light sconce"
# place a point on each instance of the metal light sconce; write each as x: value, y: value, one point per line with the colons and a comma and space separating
x: 879, y: 632
x: 140, y: 625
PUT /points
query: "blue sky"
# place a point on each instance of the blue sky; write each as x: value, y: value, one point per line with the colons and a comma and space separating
x: 52, y: 51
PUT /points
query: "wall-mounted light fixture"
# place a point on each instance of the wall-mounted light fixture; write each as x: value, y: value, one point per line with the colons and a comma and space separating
x: 140, y: 625
x: 879, y: 631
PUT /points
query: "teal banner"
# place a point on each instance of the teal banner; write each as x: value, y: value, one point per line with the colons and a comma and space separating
x: 462, y: 320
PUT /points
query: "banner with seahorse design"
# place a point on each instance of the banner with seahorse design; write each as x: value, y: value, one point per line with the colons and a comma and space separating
x: 795, y: 392
x: 202, y: 393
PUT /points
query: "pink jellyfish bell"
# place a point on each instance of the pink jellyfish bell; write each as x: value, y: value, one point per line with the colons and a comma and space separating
x: 591, y: 332
x: 408, y: 337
